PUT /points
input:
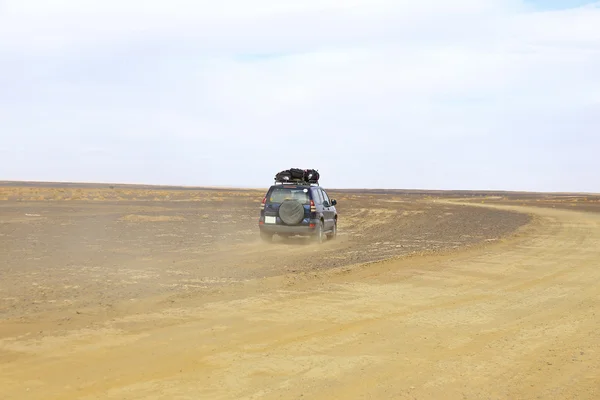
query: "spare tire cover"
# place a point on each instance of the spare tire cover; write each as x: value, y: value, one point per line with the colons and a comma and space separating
x: 291, y: 212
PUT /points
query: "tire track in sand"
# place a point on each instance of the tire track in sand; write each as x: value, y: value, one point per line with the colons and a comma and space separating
x: 518, y: 319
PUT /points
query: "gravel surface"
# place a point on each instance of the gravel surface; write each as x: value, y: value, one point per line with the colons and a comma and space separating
x: 78, y: 252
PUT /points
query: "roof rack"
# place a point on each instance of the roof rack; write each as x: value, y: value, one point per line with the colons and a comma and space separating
x: 297, y: 183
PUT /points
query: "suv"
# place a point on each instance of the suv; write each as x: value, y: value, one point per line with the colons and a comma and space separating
x: 290, y: 209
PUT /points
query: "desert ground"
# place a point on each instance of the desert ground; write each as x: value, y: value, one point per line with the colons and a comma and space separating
x: 139, y: 292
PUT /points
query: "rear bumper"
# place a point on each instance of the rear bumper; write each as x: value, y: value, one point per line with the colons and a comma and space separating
x: 286, y: 229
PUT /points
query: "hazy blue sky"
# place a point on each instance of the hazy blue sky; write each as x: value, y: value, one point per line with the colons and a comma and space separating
x: 452, y: 94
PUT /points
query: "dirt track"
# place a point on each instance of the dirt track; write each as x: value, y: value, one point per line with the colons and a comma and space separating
x: 516, y: 319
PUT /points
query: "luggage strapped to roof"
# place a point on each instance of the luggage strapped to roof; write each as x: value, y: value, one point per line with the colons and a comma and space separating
x: 298, y: 176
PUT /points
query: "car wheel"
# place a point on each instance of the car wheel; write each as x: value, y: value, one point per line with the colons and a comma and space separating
x: 318, y: 237
x: 333, y: 233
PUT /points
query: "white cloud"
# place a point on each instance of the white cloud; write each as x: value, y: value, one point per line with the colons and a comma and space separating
x: 431, y: 94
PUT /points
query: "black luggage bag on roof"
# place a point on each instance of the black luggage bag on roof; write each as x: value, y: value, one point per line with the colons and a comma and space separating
x: 283, y: 176
x: 311, y: 175
x: 298, y: 175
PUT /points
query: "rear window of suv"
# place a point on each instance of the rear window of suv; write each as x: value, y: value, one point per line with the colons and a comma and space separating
x: 280, y: 194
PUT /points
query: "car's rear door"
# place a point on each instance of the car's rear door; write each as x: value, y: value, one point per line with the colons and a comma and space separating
x: 317, y: 197
x: 328, y: 211
x: 277, y: 195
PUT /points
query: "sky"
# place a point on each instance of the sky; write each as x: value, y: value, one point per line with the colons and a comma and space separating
x: 452, y: 94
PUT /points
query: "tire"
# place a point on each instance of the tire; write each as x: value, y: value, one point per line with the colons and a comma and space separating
x: 333, y: 233
x: 266, y: 237
x: 291, y: 212
x: 319, y: 237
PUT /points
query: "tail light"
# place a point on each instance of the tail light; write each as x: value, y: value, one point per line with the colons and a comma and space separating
x: 262, y: 205
x: 312, y: 206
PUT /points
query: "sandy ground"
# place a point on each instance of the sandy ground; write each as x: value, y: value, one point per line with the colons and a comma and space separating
x: 71, y: 251
x: 503, y: 319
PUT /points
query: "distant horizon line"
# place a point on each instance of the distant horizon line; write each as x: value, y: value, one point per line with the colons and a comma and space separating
x: 229, y: 187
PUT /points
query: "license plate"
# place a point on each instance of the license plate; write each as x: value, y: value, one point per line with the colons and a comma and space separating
x: 270, y: 220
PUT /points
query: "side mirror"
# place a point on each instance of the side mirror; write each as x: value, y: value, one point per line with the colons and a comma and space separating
x: 333, y: 202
